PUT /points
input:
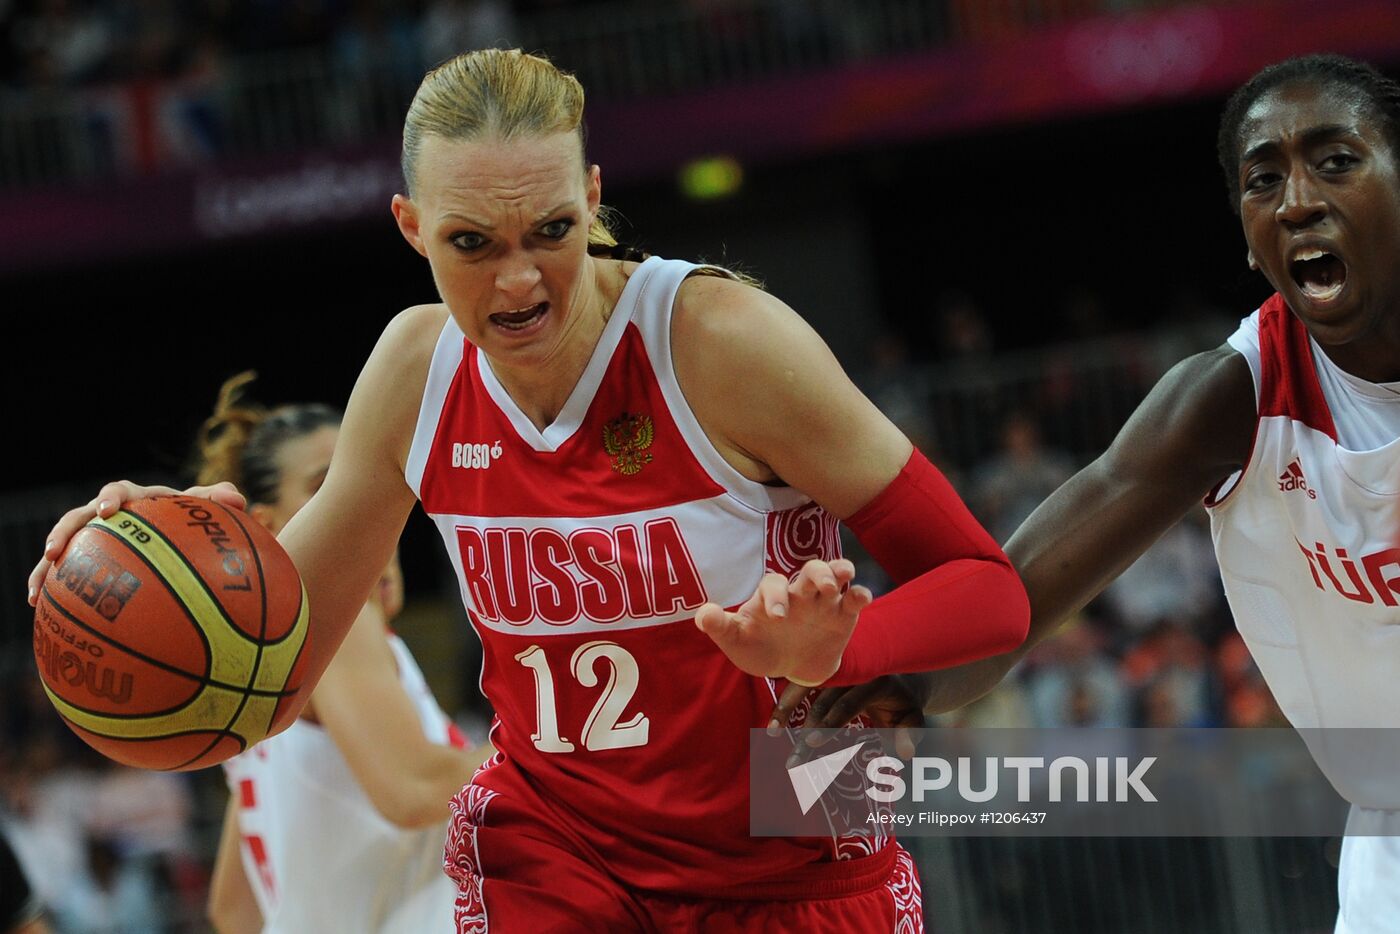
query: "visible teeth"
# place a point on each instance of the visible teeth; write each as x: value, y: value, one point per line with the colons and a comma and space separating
x: 1321, y: 293
x: 1310, y: 254
x: 519, y: 318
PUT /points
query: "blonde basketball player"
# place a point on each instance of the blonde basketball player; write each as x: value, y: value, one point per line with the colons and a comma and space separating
x: 634, y: 465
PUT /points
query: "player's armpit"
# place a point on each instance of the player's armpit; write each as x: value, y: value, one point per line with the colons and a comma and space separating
x: 362, y: 705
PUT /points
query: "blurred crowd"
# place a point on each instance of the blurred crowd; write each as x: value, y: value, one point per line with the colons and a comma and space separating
x: 97, y: 88
x: 69, y: 43
x: 107, y: 849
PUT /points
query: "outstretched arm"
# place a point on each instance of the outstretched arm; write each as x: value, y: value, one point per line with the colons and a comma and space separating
x: 1193, y: 430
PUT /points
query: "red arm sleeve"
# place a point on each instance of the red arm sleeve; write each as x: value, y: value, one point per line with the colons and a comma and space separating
x: 958, y: 599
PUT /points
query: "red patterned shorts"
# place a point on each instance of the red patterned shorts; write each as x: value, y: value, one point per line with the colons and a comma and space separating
x: 512, y: 875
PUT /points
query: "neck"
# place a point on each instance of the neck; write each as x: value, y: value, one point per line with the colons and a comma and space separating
x: 1374, y: 357
x: 540, y: 386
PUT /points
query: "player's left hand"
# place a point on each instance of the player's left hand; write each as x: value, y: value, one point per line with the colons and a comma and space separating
x: 795, y: 630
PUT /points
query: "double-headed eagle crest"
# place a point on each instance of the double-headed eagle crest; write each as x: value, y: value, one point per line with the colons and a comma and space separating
x: 626, y: 439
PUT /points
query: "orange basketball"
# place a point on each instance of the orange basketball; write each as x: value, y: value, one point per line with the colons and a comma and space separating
x: 170, y: 635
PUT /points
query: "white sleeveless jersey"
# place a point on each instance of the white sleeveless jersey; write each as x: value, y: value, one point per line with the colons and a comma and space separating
x: 1307, y: 542
x: 317, y: 853
x: 1306, y: 537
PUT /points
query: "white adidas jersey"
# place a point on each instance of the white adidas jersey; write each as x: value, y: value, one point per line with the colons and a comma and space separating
x: 1306, y: 536
x: 317, y: 853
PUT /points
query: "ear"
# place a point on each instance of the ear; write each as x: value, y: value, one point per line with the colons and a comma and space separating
x: 406, y: 214
x: 594, y: 194
x: 1249, y: 258
x: 266, y: 516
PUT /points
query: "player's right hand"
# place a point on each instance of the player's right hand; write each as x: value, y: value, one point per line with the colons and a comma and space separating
x: 106, y: 503
x: 794, y: 629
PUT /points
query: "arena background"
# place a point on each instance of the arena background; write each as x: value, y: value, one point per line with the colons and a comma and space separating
x: 1005, y: 216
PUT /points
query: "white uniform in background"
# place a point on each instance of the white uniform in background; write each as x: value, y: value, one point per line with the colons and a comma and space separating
x: 317, y: 853
x: 1307, y: 541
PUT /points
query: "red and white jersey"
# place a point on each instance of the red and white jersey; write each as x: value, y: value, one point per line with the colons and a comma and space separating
x: 1307, y: 541
x: 583, y: 552
x: 318, y: 854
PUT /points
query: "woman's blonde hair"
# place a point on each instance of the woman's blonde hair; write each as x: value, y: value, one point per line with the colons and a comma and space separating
x: 501, y: 92
x: 508, y: 93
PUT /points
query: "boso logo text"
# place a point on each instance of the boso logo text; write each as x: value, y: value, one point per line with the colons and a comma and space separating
x: 475, y: 456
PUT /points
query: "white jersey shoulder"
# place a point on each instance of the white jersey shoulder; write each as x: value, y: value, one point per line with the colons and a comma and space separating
x: 318, y: 854
x: 1306, y: 537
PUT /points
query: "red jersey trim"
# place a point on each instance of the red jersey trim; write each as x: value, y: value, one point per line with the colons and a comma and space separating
x: 1288, y: 383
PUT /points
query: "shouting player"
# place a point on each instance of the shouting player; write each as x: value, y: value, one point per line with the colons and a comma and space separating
x: 1290, y: 433
x: 635, y: 468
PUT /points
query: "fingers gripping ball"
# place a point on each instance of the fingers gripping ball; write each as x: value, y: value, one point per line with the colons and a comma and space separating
x: 170, y: 635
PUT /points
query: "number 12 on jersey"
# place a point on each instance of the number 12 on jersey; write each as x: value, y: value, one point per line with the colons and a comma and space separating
x: 601, y: 730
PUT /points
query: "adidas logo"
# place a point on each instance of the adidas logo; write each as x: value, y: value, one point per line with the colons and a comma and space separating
x: 1292, y: 479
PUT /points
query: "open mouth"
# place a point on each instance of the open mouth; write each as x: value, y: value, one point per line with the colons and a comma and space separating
x: 520, y: 319
x: 1319, y: 274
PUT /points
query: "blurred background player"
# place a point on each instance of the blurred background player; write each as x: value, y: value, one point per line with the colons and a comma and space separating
x: 1289, y: 433
x: 20, y: 911
x: 336, y: 823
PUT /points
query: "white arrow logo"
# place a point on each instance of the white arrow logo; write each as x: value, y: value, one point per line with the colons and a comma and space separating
x: 810, y: 780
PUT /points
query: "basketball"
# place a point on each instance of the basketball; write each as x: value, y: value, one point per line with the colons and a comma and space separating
x: 170, y: 635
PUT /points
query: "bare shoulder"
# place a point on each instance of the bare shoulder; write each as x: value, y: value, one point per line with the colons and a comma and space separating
x: 1220, y: 371
x: 384, y: 403
x: 1201, y: 413
x: 405, y: 349
x: 413, y: 332
x: 1213, y: 387
x: 719, y: 318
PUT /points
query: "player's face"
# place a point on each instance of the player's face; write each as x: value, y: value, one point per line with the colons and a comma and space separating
x: 1320, y: 203
x: 504, y: 225
x: 302, y: 463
